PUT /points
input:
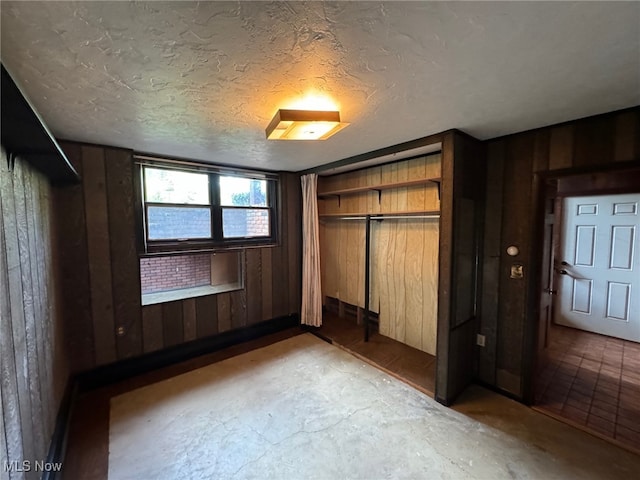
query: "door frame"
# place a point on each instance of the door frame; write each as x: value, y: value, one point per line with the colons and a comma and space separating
x: 581, y: 181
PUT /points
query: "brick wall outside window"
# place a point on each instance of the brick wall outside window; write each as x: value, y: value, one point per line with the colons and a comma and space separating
x: 171, y: 273
x: 246, y: 223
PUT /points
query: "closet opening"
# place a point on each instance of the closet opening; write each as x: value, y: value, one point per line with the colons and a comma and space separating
x: 379, y: 245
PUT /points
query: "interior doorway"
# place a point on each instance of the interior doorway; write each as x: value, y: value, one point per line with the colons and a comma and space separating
x: 588, y: 352
x: 599, y: 268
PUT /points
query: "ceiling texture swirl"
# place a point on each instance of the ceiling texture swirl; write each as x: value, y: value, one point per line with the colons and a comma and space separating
x: 202, y: 80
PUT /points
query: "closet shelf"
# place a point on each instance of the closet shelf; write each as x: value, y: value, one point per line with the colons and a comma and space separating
x: 407, y: 213
x: 379, y: 188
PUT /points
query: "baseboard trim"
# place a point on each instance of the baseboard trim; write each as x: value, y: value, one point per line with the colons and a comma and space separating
x: 58, y: 445
x: 122, y: 370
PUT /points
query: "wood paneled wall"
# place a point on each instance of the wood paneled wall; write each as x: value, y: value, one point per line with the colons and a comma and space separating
x: 102, y: 277
x: 509, y: 306
x: 33, y: 371
x: 461, y: 223
x: 404, y: 253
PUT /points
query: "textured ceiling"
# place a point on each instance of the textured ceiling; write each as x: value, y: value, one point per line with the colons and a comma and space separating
x: 202, y: 80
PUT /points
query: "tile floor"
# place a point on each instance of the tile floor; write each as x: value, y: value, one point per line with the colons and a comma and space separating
x: 593, y: 381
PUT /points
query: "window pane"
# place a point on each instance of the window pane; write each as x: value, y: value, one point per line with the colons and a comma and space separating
x: 243, y: 192
x: 171, y: 186
x: 245, y: 222
x: 166, y: 223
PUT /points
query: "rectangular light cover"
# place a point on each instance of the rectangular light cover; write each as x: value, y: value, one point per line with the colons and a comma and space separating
x: 304, y: 125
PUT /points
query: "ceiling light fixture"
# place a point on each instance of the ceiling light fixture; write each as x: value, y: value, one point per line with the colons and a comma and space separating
x: 304, y: 125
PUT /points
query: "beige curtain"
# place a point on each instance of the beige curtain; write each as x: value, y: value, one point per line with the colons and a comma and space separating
x: 311, y: 311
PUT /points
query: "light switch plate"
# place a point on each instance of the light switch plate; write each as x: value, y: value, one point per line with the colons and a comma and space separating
x: 517, y: 271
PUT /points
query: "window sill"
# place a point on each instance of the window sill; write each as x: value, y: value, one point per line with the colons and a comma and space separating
x: 183, y: 293
x: 155, y: 251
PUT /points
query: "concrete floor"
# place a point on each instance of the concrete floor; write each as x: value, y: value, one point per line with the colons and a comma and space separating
x: 302, y: 408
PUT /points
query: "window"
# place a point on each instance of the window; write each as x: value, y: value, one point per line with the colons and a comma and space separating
x: 194, y: 207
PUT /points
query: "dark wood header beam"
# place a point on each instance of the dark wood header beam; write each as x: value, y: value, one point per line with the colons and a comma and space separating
x: 24, y: 134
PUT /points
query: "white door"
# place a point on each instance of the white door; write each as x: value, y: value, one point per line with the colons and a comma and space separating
x: 599, y: 265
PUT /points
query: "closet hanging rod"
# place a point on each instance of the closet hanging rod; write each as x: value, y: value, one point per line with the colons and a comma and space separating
x: 382, y: 217
x: 402, y: 217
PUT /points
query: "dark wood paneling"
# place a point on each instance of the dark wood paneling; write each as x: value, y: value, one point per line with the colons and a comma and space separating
x: 74, y: 267
x: 124, y: 258
x: 98, y: 250
x: 10, y: 224
x: 31, y: 336
x: 206, y: 316
x: 491, y: 266
x: 238, y: 308
x: 15, y: 395
x: 516, y: 207
x: 189, y: 319
x: 254, y: 285
x: 29, y: 292
x: 593, y: 141
x: 294, y: 235
x: 627, y: 137
x: 461, y: 223
x: 541, y: 151
x: 153, y: 334
x: 172, y: 327
x: 279, y: 270
x: 267, y: 284
x: 600, y: 183
x: 560, y: 147
x: 224, y: 312
x: 38, y: 269
x: 24, y: 134
x: 445, y: 270
x: 279, y: 282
